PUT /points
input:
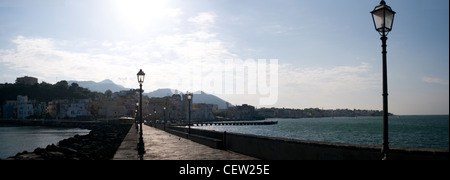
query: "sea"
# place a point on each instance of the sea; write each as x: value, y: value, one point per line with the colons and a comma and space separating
x: 15, y: 139
x: 404, y: 131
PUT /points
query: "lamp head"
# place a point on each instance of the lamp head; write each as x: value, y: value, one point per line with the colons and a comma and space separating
x: 383, y: 18
x: 189, y: 95
x: 140, y: 76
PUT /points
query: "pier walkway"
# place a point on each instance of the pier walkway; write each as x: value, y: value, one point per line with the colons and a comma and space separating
x: 128, y: 148
x: 160, y: 145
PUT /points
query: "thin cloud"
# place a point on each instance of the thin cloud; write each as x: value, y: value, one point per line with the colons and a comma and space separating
x: 327, y: 87
x: 339, y: 78
x: 435, y: 80
x: 48, y: 58
x: 97, y: 60
x: 169, y: 60
x: 204, y: 18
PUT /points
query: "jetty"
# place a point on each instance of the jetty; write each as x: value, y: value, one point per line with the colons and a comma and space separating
x: 230, y: 123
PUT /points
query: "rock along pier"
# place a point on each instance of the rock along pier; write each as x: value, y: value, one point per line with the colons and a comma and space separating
x: 101, y: 143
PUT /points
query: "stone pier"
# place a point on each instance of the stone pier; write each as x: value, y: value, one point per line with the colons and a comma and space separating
x: 160, y: 145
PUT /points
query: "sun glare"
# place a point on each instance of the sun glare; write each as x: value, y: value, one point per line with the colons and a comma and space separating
x: 140, y: 14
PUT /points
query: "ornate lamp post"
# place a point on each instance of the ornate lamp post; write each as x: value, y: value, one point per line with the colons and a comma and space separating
x: 189, y: 96
x: 156, y: 117
x: 141, y: 147
x: 165, y: 120
x: 383, y: 19
x: 136, y: 116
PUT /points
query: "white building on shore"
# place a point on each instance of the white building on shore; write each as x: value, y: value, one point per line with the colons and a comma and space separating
x: 24, y: 107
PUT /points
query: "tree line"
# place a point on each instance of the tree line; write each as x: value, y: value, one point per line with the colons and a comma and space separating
x: 45, y: 92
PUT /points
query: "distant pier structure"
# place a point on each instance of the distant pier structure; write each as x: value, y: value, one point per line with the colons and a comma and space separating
x: 234, y: 123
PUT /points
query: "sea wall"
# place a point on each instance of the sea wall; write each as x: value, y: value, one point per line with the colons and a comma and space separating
x: 288, y: 149
x: 271, y: 148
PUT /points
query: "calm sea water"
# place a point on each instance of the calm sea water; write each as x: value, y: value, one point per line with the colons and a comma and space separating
x: 404, y: 131
x: 27, y: 138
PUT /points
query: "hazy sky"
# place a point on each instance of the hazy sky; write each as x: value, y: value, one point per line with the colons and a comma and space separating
x: 327, y: 53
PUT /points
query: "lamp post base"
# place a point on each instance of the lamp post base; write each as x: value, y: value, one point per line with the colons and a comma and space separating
x: 141, y: 148
x: 385, y: 158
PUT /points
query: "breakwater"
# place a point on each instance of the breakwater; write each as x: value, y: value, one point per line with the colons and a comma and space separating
x: 101, y: 143
x: 271, y: 148
x: 233, y: 123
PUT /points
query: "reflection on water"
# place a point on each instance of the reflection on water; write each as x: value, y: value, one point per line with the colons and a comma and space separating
x: 27, y: 138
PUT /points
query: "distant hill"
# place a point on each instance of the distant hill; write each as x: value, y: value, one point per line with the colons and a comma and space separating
x: 202, y: 97
x: 101, y: 86
x: 160, y: 93
x: 199, y: 97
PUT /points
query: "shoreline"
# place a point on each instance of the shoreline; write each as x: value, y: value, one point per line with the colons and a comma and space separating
x: 101, y: 143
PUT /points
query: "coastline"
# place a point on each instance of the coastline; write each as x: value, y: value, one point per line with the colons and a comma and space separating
x: 101, y: 143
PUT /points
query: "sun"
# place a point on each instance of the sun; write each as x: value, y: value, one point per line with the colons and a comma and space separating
x: 140, y: 14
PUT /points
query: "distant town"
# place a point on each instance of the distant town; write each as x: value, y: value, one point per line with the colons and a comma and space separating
x: 27, y: 99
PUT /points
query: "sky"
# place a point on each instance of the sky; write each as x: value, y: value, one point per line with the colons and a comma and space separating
x: 266, y: 53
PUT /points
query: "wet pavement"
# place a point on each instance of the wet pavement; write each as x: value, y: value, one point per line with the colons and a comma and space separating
x: 160, y: 145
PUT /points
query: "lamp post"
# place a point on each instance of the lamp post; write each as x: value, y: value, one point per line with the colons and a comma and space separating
x: 383, y: 19
x: 136, y: 116
x: 189, y: 96
x: 141, y: 148
x: 165, y: 120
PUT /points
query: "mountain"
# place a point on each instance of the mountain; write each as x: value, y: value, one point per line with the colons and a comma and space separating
x: 101, y: 86
x: 199, y: 97
x: 202, y: 97
x: 161, y: 93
